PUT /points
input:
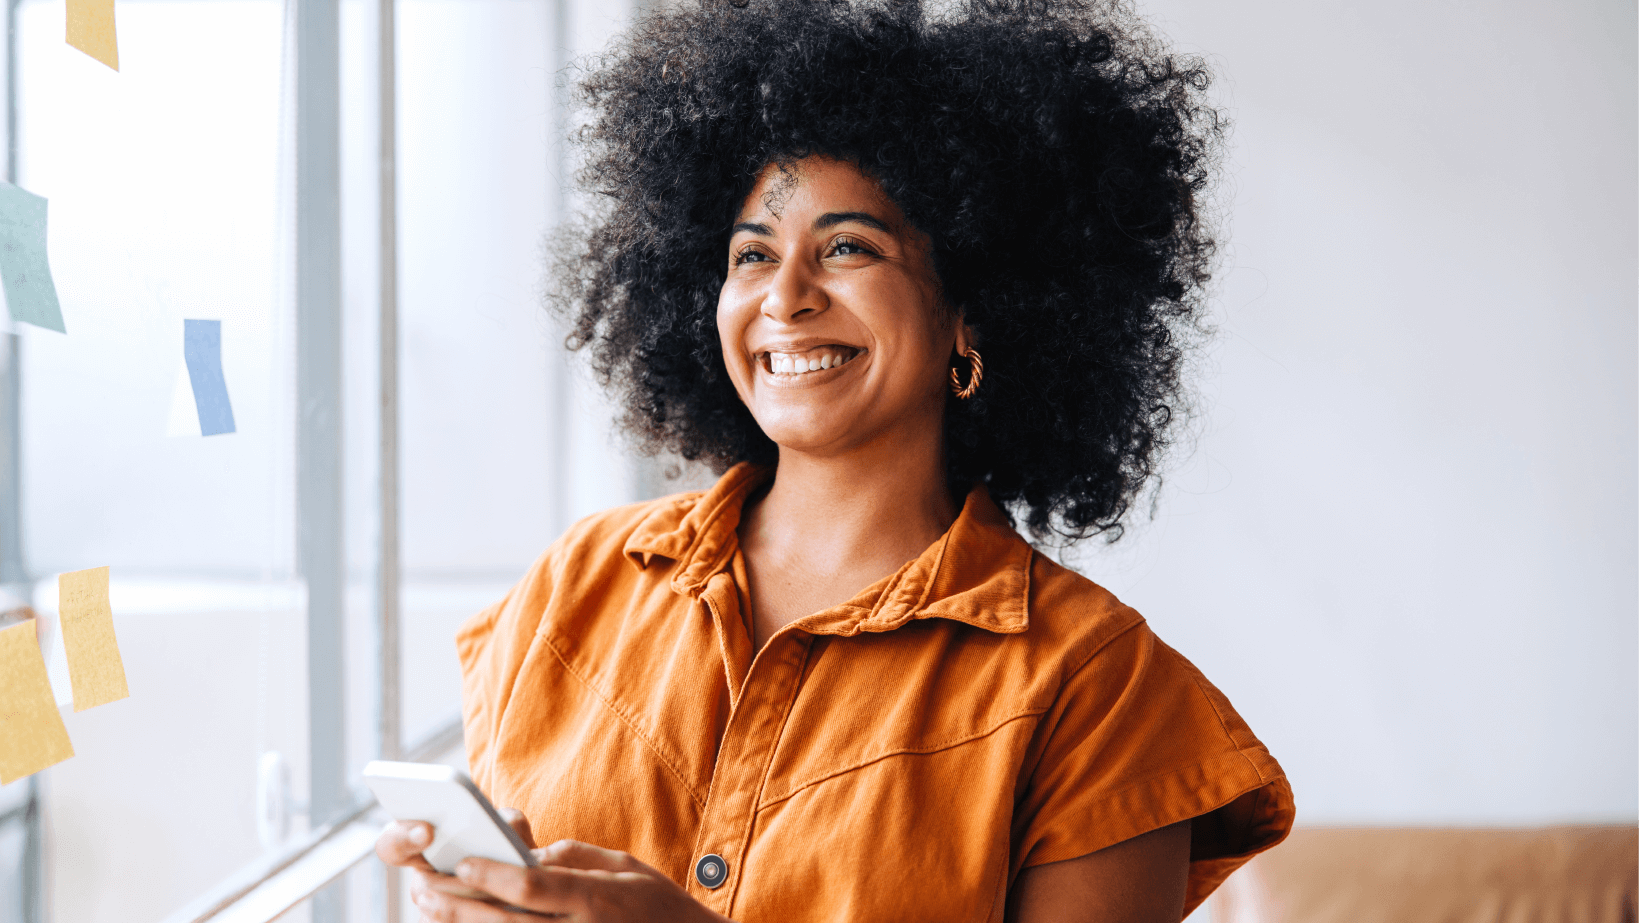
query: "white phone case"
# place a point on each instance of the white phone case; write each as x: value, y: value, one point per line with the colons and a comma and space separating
x: 465, y: 824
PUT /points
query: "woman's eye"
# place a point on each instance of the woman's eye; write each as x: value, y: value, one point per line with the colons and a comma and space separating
x: 750, y: 256
x: 846, y: 247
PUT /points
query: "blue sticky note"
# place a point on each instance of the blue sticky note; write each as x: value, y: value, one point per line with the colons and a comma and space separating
x: 24, y: 273
x: 202, y: 351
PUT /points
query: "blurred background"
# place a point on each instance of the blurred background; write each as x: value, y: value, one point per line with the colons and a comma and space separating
x: 1402, y: 537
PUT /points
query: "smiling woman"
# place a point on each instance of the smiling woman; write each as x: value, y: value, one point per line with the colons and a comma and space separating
x: 839, y: 684
x: 1053, y: 153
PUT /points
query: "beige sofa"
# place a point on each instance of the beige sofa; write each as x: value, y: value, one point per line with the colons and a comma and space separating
x: 1408, y: 875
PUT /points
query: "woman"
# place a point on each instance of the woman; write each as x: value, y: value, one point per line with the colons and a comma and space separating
x: 910, y: 278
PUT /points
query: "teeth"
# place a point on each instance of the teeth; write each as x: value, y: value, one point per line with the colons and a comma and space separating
x: 788, y: 364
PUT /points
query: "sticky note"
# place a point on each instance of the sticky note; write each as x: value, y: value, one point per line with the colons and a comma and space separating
x: 87, y: 624
x: 91, y: 29
x: 202, y: 351
x: 32, y: 735
x: 24, y: 273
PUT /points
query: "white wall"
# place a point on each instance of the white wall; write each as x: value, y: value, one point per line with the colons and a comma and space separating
x: 1405, y: 543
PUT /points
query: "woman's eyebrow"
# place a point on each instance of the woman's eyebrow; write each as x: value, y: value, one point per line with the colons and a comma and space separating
x: 752, y: 226
x: 830, y: 219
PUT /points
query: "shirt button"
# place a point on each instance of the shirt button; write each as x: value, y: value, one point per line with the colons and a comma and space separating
x: 711, y: 870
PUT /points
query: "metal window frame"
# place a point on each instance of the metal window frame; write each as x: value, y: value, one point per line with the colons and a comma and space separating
x: 14, y: 572
x: 389, y: 649
x: 320, y: 538
x: 265, y: 889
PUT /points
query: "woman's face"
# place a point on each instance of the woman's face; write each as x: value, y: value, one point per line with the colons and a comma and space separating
x: 830, y: 315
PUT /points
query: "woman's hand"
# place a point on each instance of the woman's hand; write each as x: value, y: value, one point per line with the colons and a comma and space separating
x: 573, y: 881
x: 401, y: 843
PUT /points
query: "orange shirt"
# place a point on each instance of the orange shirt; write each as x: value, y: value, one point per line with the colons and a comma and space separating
x: 901, y: 756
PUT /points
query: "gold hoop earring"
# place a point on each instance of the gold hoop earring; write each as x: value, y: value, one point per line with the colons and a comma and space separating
x: 964, y: 392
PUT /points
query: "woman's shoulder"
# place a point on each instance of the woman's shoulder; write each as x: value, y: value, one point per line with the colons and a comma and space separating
x: 1074, y: 616
x: 1092, y: 639
x: 1136, y: 738
x: 1107, y: 651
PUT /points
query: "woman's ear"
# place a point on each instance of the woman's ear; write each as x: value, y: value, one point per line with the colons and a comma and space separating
x: 966, y: 339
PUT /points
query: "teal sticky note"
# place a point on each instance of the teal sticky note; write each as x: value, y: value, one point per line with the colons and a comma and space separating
x: 24, y: 273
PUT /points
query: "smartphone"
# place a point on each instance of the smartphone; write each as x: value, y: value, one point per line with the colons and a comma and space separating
x: 465, y: 824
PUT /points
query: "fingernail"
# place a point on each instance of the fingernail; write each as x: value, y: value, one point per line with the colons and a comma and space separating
x: 419, y: 836
x: 464, y: 871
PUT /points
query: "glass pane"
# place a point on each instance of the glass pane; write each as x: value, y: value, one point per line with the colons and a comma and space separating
x: 477, y: 377
x: 171, y: 198
x: 164, y: 188
x: 505, y: 441
x: 13, y: 834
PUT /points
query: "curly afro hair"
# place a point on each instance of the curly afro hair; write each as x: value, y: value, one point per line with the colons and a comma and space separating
x: 1055, y: 153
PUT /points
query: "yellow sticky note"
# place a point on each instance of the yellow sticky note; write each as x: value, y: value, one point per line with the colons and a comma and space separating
x: 94, y: 668
x: 32, y: 735
x: 91, y: 29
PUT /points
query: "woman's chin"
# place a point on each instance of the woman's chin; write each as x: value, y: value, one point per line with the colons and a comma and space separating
x: 833, y: 430
x: 809, y: 433
x: 809, y: 443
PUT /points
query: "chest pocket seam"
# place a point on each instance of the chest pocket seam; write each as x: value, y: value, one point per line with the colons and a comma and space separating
x: 665, y: 758
x: 899, y: 751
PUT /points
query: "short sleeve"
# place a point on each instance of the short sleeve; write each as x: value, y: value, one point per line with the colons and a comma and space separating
x: 492, y: 646
x: 1137, y: 740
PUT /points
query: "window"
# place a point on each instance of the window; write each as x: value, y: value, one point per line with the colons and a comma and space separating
x: 174, y: 195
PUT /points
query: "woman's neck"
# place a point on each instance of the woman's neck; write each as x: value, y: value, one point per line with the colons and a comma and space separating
x: 829, y: 527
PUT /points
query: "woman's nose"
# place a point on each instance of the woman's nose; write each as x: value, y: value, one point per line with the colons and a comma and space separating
x: 792, y: 294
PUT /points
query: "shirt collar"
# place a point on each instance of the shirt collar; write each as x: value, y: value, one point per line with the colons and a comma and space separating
x: 977, y: 573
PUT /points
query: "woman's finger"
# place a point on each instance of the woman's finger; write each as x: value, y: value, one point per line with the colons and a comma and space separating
x: 574, y: 854
x: 520, y: 824
x: 401, y: 843
x: 544, y: 890
x: 448, y: 884
x: 442, y: 907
